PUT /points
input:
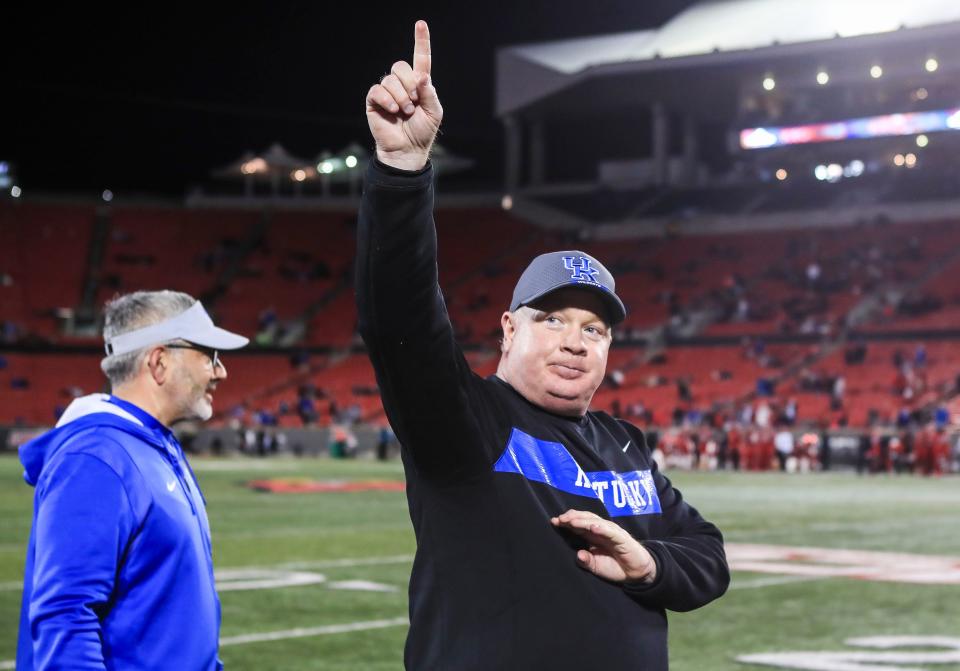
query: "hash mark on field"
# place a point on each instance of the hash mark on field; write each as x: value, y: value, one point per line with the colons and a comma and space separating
x: 313, y: 631
x: 8, y: 665
x: 248, y: 579
x: 362, y: 586
x: 10, y: 587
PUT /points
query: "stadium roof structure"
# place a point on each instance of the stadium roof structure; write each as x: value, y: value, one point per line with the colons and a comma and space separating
x: 279, y: 168
x: 563, y: 74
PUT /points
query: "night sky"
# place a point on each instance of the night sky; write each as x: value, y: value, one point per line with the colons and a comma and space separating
x: 149, y: 101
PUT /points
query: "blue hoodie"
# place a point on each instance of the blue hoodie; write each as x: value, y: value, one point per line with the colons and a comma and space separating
x: 119, y: 571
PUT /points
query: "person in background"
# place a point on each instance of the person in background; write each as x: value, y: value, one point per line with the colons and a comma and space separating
x: 119, y: 569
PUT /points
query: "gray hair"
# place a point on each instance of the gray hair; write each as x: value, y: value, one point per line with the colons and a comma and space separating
x: 133, y: 311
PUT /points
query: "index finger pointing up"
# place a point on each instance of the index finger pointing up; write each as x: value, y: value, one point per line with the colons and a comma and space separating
x: 421, y: 48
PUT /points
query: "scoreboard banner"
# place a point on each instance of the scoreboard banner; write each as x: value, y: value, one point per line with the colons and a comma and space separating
x: 887, y: 125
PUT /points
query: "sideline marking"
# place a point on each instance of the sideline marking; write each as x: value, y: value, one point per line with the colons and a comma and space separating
x: 8, y: 665
x: 313, y: 631
x: 854, y: 660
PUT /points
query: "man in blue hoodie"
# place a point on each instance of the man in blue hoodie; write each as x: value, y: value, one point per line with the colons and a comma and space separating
x: 119, y: 571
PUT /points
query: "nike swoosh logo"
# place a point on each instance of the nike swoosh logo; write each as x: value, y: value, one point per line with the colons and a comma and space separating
x: 171, y: 485
x: 626, y: 446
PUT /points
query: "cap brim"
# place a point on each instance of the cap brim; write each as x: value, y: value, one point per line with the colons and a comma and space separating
x: 218, y: 338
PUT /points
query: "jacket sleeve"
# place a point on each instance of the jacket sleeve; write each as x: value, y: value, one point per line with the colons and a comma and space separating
x: 83, y: 522
x: 692, y: 566
x: 431, y: 396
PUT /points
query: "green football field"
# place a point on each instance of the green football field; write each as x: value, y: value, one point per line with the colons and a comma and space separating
x: 318, y: 581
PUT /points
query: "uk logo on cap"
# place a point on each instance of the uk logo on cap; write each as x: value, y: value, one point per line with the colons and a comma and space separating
x: 580, y: 269
x: 570, y: 267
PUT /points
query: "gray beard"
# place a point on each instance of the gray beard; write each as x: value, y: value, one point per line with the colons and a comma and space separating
x: 201, y: 409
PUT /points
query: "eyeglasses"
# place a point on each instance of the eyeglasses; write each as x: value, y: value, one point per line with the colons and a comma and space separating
x: 212, y: 353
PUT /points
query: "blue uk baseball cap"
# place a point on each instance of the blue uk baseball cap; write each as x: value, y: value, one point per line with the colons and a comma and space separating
x: 558, y: 270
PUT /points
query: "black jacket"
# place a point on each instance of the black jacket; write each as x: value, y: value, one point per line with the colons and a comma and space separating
x: 494, y: 585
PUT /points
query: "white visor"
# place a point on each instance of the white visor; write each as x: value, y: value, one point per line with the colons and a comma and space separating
x: 193, y: 325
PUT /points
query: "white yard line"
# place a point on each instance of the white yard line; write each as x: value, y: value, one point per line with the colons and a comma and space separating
x: 313, y: 631
x: 300, y: 632
x: 10, y: 587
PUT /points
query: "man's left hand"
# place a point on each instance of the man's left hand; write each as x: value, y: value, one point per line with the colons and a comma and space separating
x: 614, y: 554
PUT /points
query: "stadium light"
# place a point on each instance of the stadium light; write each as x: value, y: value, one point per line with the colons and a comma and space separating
x: 299, y: 174
x: 820, y: 172
x: 898, y: 160
x: 920, y: 94
x: 922, y: 141
x: 910, y: 160
x: 351, y: 161
x: 757, y: 138
x: 876, y: 72
x: 823, y: 78
x: 931, y: 65
x: 107, y: 195
x: 782, y: 174
x: 507, y: 202
x: 15, y: 191
x: 326, y: 167
x: 254, y: 165
x: 769, y: 83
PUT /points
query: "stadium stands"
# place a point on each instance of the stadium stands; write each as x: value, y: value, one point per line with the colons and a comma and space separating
x: 264, y: 272
x: 34, y: 388
x: 182, y: 247
x: 43, y: 252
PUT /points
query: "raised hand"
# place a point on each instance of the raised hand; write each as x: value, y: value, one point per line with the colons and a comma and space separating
x: 614, y: 554
x: 403, y: 110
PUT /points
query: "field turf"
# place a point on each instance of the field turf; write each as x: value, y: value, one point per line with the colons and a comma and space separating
x: 331, y: 538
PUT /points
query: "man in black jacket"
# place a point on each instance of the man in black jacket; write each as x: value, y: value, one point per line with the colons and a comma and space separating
x: 546, y: 537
